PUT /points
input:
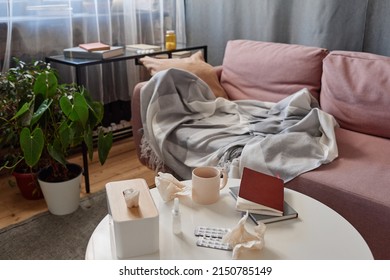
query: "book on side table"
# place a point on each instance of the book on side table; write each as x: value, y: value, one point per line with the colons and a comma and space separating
x: 78, y: 52
x: 288, y: 212
x: 262, y: 195
x: 96, y: 46
x: 143, y: 47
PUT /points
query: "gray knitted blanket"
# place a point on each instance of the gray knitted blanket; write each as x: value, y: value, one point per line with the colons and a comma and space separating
x: 185, y: 126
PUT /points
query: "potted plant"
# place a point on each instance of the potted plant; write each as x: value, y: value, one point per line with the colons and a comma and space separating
x: 15, y: 89
x: 54, y: 119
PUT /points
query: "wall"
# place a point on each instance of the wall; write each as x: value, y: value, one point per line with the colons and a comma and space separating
x: 356, y: 25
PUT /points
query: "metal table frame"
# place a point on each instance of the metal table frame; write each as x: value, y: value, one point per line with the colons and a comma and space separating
x: 79, y: 63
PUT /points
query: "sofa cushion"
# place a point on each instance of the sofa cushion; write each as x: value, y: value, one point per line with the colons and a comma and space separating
x: 356, y: 91
x: 194, y: 64
x: 356, y: 185
x: 270, y: 71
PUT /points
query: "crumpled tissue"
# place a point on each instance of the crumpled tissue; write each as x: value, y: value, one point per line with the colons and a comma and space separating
x: 240, y: 239
x: 169, y: 187
x: 131, y: 197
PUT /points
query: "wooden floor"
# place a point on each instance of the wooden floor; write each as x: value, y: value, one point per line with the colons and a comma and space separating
x: 122, y: 164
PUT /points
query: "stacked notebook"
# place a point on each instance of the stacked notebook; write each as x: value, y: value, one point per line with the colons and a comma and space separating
x: 143, y: 48
x: 95, y: 50
x: 262, y: 196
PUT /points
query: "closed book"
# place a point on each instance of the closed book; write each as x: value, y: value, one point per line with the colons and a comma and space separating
x: 96, y: 46
x: 288, y: 212
x: 143, y: 47
x: 77, y: 52
x: 260, y: 193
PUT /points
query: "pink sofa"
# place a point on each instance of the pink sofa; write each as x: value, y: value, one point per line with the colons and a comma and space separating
x: 353, y: 87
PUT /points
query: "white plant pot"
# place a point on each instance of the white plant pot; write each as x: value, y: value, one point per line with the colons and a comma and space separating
x: 62, y: 198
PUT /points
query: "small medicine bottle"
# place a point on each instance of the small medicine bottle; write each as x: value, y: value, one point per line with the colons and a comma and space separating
x: 170, y: 40
x: 176, y: 217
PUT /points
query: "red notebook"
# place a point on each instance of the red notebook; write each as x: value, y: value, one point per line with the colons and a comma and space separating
x: 97, y: 46
x: 260, y: 193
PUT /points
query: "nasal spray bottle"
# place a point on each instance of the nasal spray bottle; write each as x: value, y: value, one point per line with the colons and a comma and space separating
x: 176, y: 217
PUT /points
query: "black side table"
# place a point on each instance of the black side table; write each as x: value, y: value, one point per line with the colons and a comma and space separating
x: 79, y: 63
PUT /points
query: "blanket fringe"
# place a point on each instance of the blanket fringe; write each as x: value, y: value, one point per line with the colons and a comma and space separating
x: 229, y: 161
x: 153, y: 161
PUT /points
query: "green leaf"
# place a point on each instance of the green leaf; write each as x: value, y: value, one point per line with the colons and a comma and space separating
x: 45, y: 105
x: 26, y: 117
x: 88, y: 141
x: 65, y: 134
x: 104, y: 145
x: 66, y: 107
x: 46, y: 84
x: 97, y: 110
x: 25, y: 108
x: 76, y: 112
x: 56, y: 152
x: 76, y: 132
x: 32, y: 145
x: 81, y: 108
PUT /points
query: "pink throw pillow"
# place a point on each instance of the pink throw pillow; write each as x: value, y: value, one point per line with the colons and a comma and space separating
x: 356, y: 91
x: 270, y: 71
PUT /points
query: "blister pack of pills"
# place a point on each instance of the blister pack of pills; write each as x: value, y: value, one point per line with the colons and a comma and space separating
x: 213, y: 243
x: 210, y: 232
x: 211, y: 237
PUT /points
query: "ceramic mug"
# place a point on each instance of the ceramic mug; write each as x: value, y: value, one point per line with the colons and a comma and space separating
x: 207, y: 181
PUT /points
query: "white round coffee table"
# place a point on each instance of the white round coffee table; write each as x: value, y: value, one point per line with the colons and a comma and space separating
x: 319, y: 233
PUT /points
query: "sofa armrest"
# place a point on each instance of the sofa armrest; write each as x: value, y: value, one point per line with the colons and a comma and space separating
x: 136, y: 120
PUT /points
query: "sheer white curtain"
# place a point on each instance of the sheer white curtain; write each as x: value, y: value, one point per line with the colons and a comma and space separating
x: 34, y: 29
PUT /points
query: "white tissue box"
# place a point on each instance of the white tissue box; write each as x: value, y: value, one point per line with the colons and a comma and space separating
x: 134, y: 231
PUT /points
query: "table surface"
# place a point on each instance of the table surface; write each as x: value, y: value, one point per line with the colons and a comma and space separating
x: 318, y: 233
x: 129, y: 54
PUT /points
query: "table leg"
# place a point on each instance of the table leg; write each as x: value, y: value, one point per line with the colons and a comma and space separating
x: 85, y: 163
x: 84, y: 149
